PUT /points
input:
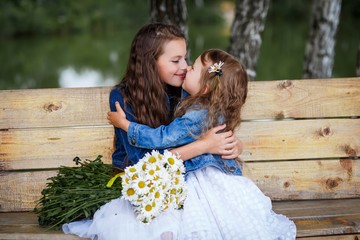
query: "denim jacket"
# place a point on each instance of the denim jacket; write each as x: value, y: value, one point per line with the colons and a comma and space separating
x: 124, y: 154
x: 180, y: 131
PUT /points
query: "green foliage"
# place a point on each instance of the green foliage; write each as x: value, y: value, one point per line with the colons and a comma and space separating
x: 76, y: 193
x: 44, y: 17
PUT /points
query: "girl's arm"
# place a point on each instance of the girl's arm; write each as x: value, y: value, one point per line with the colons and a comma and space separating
x: 224, y: 144
x: 180, y: 131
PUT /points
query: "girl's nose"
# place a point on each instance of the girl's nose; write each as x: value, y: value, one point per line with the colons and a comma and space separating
x: 184, y: 64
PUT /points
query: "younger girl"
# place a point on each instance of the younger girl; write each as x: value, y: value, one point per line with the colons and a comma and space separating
x: 221, y: 204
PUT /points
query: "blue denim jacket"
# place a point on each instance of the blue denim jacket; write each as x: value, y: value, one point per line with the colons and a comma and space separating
x: 180, y: 131
x: 124, y: 154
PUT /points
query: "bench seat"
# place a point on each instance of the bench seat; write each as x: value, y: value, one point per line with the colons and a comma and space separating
x: 314, y: 219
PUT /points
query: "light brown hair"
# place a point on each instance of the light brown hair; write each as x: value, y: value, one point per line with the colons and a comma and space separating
x: 222, y: 95
x: 141, y: 85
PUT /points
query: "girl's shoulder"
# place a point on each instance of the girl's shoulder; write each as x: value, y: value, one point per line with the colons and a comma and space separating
x: 116, y: 95
x: 195, y: 114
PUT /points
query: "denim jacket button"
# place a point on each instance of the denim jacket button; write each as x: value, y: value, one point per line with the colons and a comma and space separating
x: 232, y: 169
x: 133, y: 141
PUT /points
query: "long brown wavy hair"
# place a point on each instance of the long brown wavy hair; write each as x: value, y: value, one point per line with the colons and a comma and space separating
x: 141, y: 85
x: 222, y: 95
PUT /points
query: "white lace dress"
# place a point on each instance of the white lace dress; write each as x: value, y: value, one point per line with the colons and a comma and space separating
x: 218, y: 206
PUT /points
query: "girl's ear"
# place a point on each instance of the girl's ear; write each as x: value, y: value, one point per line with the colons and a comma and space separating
x: 206, y: 89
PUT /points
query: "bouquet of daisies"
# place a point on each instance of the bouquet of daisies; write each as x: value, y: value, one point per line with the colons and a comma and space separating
x: 155, y: 184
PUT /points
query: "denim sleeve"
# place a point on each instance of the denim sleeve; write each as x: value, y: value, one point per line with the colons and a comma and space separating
x: 180, y: 131
x: 124, y: 153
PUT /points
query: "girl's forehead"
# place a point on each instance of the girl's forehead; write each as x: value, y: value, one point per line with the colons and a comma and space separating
x: 198, y: 63
x: 175, y: 48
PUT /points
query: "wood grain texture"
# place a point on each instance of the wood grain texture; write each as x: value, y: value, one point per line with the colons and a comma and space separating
x: 42, y: 148
x: 310, y: 179
x: 334, y: 237
x: 314, y: 225
x: 310, y: 98
x: 24, y: 225
x: 314, y: 179
x: 54, y: 107
x: 20, y: 190
x: 300, y: 139
x: 266, y: 99
x: 322, y: 217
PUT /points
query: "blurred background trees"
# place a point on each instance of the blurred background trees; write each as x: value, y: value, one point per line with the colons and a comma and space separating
x: 50, y: 43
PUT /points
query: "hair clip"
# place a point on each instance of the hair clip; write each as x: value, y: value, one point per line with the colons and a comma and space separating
x: 216, y: 68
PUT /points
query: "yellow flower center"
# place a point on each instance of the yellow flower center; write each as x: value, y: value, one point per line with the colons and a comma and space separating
x: 144, y: 166
x: 148, y: 207
x: 141, y: 184
x: 132, y: 169
x: 130, y: 192
x: 151, y: 172
x: 171, y: 161
x: 157, y: 195
x: 152, y: 159
x: 176, y: 181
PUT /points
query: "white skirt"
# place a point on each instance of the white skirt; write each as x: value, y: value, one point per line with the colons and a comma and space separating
x: 218, y: 206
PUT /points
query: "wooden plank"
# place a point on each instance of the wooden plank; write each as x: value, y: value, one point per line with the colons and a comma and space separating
x: 267, y: 99
x: 24, y: 226
x: 310, y: 98
x: 307, y: 209
x: 307, y: 179
x: 279, y: 180
x: 315, y: 225
x: 328, y: 226
x: 20, y: 190
x: 328, y: 204
x: 43, y: 148
x: 300, y: 139
x: 323, y: 217
x: 334, y: 237
x: 53, y: 107
x: 276, y: 140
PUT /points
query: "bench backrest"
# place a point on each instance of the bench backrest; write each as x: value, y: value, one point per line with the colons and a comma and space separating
x: 301, y: 138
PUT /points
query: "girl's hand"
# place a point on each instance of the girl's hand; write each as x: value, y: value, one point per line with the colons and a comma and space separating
x: 224, y: 144
x: 118, y: 118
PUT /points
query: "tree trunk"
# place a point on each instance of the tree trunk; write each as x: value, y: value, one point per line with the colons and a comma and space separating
x: 319, y: 53
x: 245, y: 39
x: 170, y: 11
x: 358, y: 62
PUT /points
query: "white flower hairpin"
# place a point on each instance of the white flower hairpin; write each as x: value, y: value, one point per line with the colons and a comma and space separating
x: 216, y: 68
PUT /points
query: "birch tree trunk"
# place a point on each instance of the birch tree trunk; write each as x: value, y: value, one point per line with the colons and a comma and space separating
x: 170, y: 11
x: 245, y: 39
x: 358, y: 62
x: 319, y: 52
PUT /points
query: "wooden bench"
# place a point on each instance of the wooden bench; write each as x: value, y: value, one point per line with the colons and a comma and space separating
x: 301, y: 137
